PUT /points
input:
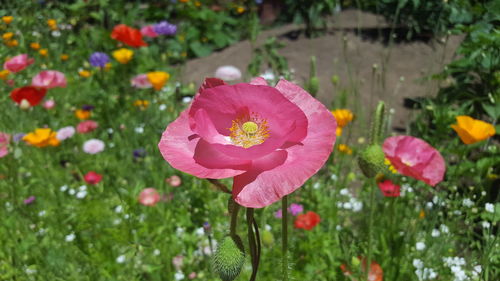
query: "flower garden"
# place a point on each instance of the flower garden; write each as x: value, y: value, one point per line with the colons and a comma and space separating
x: 114, y: 167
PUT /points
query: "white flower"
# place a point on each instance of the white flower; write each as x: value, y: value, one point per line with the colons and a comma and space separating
x: 56, y: 33
x: 334, y: 177
x: 118, y: 209
x: 199, y: 231
x: 344, y: 191
x: 435, y: 233
x: 417, y: 263
x: 82, y: 188
x: 347, y: 205
x: 179, y: 275
x: 489, y: 207
x: 429, y: 205
x: 187, y: 99
x: 110, y: 131
x: 228, y: 73
x: 63, y: 188
x: 420, y: 246
x: 444, y: 229
x: 162, y: 107
x: 338, y: 227
x: 41, y: 213
x: 268, y: 75
x: 120, y: 259
x: 316, y: 185
x: 156, y: 252
x: 467, y: 202
x: 139, y: 130
x: 485, y: 224
x: 357, y: 206
x: 81, y: 194
x: 71, y: 191
x: 70, y: 237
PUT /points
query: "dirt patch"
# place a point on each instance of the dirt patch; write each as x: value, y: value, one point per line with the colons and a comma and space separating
x: 357, y: 50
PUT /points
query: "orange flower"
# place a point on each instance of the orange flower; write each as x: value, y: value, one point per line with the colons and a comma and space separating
x: 7, y: 36
x: 52, y: 23
x: 82, y: 114
x: 471, y: 130
x: 12, y: 43
x: 344, y: 148
x: 158, y: 79
x: 64, y: 57
x: 44, y: 52
x: 4, y: 73
x: 343, y: 117
x: 128, y: 35
x: 376, y: 273
x: 141, y: 104
x: 35, y: 46
x: 7, y: 19
x: 84, y: 73
x: 42, y: 138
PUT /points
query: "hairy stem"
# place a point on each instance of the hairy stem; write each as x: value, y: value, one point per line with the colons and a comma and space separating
x: 284, y: 237
x: 370, y: 231
x: 222, y: 187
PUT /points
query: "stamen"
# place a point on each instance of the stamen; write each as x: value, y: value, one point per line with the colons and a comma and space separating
x: 247, y: 131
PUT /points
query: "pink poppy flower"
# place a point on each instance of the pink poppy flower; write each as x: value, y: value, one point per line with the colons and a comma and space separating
x: 86, y: 126
x: 92, y: 178
x: 270, y: 139
x: 49, y: 104
x: 148, y: 31
x: 49, y: 79
x: 415, y: 158
x: 389, y: 189
x: 141, y: 81
x: 4, y: 143
x: 65, y: 133
x: 174, y: 181
x: 18, y: 63
x: 93, y: 146
x: 149, y: 197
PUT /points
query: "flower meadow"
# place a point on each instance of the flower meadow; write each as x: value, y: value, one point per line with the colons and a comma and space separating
x: 112, y: 168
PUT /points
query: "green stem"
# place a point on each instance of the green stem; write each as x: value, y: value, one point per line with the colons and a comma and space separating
x: 252, y: 244
x: 370, y: 231
x: 284, y: 237
x: 234, y: 209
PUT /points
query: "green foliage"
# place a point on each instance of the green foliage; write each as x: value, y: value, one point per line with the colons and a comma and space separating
x: 311, y: 13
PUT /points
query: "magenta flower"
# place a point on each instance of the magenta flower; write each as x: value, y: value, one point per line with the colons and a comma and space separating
x: 29, y: 200
x: 148, y: 31
x: 4, y: 143
x: 92, y: 178
x: 149, y: 197
x: 415, y: 158
x: 295, y: 209
x: 49, y: 104
x: 270, y: 139
x: 389, y: 189
x: 278, y: 214
x: 174, y: 181
x: 49, y: 79
x: 86, y: 126
x: 18, y: 63
x: 141, y: 81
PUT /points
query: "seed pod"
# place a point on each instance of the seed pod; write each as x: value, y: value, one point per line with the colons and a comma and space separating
x: 229, y: 258
x: 371, y: 161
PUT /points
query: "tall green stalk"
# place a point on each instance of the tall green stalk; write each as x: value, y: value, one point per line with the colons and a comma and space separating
x: 284, y: 237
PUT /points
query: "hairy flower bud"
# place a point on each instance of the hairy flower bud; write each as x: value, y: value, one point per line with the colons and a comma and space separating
x: 229, y: 258
x: 371, y: 160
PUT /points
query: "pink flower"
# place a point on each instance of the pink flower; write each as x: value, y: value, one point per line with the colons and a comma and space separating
x: 174, y: 181
x: 141, y: 81
x: 4, y: 143
x: 29, y: 200
x: 149, y: 197
x: 228, y: 73
x: 148, y: 31
x: 192, y: 275
x: 415, y: 158
x: 270, y: 139
x: 65, y: 133
x: 86, y: 126
x: 92, y: 178
x: 295, y: 209
x: 389, y: 189
x: 49, y: 104
x: 49, y: 79
x: 18, y: 63
x: 93, y: 146
x: 178, y: 261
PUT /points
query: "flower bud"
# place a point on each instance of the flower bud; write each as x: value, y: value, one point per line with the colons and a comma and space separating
x: 229, y: 258
x: 371, y: 161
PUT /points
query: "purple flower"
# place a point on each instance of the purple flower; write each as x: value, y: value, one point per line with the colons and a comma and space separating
x: 99, y: 59
x: 295, y: 209
x: 165, y: 28
x: 87, y: 107
x: 29, y: 200
x: 18, y: 137
x: 278, y: 214
x: 207, y: 227
x: 139, y: 153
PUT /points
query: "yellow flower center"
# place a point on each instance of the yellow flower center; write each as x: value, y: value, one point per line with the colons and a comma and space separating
x: 248, y: 131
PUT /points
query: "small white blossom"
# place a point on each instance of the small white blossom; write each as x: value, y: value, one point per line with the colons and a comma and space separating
x: 489, y: 207
x: 417, y: 263
x: 338, y: 227
x: 81, y: 194
x: 316, y: 185
x: 468, y: 203
x: 72, y: 191
x: 63, y: 188
x: 156, y: 252
x: 199, y: 231
x: 179, y: 275
x: 118, y: 209
x: 485, y: 224
x: 435, y: 233
x: 139, y: 130
x: 70, y: 237
x: 420, y: 246
x: 347, y: 205
x: 187, y: 99
x: 42, y: 213
x: 444, y: 229
x: 82, y: 188
x: 344, y: 191
x: 162, y: 107
x: 120, y: 259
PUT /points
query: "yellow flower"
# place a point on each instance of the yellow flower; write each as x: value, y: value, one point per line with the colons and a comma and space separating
x: 4, y: 73
x: 390, y: 166
x: 7, y: 36
x: 52, y: 23
x: 44, y: 52
x: 240, y: 10
x: 35, y: 46
x: 141, y: 104
x: 84, y: 73
x: 197, y: 3
x: 64, y: 57
x: 158, y: 79
x: 82, y: 114
x: 343, y: 117
x: 421, y: 215
x: 7, y: 19
x: 12, y: 43
x: 471, y: 130
x: 344, y: 149
x: 108, y: 66
x: 42, y: 138
x: 123, y: 55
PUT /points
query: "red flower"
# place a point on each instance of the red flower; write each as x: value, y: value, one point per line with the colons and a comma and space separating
x: 128, y: 35
x: 92, y: 178
x: 376, y: 273
x: 389, y: 189
x: 307, y: 221
x: 31, y: 94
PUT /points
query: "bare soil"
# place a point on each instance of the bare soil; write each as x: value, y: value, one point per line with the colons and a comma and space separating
x: 358, y: 50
